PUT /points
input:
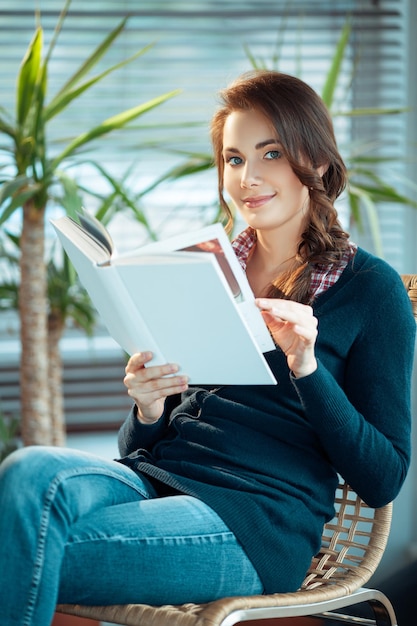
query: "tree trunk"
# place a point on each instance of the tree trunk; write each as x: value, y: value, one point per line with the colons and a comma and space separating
x: 56, y: 327
x: 33, y: 307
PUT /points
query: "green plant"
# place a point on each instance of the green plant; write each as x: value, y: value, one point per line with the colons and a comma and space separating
x: 31, y: 171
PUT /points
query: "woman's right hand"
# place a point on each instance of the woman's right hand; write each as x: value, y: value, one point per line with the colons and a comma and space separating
x: 149, y: 386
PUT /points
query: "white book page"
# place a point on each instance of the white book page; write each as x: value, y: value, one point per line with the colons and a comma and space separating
x: 184, y: 298
x: 76, y: 235
x: 213, y: 239
x: 110, y: 297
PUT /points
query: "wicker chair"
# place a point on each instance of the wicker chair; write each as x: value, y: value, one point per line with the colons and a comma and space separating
x: 352, y: 546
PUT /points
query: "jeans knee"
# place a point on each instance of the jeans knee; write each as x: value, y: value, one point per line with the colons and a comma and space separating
x: 25, y: 464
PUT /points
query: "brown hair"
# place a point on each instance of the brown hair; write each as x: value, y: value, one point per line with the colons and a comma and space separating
x: 305, y: 131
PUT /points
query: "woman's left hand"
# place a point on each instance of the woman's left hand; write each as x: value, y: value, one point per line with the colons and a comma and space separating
x: 294, y: 329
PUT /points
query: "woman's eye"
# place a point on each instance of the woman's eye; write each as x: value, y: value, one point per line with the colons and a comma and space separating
x: 273, y: 154
x: 234, y: 160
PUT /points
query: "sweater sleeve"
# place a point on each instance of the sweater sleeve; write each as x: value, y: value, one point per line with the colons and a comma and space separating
x: 134, y: 435
x: 364, y: 425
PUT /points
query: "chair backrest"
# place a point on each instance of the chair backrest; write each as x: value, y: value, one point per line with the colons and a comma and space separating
x: 410, y: 283
x: 352, y: 543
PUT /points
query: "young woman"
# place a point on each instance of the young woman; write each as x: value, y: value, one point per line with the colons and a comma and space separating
x: 215, y: 487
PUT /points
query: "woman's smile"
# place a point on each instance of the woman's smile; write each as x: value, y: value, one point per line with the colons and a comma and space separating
x: 254, y: 202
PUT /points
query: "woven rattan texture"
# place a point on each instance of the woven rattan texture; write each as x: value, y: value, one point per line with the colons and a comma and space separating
x: 410, y: 282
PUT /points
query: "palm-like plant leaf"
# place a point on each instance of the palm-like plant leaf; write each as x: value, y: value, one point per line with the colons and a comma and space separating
x: 7, y: 128
x: 364, y: 111
x: 14, y: 193
x: 92, y: 60
x: 28, y: 77
x: 71, y: 199
x: 116, y: 122
x: 358, y: 198
x: 195, y: 164
x: 109, y: 206
x: 333, y: 74
x: 70, y: 92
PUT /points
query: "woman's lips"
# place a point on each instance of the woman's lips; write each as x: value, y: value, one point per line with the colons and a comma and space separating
x: 257, y: 201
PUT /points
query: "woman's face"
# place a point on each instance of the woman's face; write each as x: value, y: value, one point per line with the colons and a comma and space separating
x: 257, y: 176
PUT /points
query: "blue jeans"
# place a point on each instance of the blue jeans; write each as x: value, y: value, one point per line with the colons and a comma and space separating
x: 75, y: 528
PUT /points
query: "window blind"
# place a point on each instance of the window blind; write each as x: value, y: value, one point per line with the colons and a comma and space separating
x: 199, y: 47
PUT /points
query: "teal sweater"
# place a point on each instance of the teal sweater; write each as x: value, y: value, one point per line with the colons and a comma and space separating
x: 266, y: 458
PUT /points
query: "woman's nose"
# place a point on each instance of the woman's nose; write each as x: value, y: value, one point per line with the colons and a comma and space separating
x: 250, y: 175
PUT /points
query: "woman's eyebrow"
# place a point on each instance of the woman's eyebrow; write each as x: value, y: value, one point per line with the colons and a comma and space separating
x: 258, y: 146
x: 267, y: 142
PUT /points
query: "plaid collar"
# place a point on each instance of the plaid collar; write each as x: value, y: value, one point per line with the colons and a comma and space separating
x: 322, y: 277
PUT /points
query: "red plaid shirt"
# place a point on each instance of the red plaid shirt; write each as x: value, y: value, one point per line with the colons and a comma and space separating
x: 322, y: 277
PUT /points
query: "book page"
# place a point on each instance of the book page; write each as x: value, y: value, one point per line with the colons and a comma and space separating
x: 97, y: 230
x: 185, y: 300
x: 76, y: 235
x: 213, y: 239
x: 214, y: 247
x: 107, y: 292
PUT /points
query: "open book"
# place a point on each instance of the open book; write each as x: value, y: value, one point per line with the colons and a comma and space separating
x: 186, y: 299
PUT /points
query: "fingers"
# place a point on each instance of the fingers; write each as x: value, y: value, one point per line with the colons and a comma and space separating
x: 136, y: 367
x: 136, y: 370
x: 286, y: 310
x: 150, y: 385
x: 301, y: 315
x: 152, y: 378
x: 294, y: 329
x: 138, y: 360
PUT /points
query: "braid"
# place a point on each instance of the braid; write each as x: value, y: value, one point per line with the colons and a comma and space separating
x: 323, y: 242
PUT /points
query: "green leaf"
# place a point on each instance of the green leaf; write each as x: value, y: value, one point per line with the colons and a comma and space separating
x: 18, y: 201
x: 7, y: 129
x: 384, y: 193
x: 366, y: 201
x: 92, y: 60
x: 71, y: 199
x: 120, y: 193
x: 28, y: 77
x: 370, y: 111
x: 372, y: 160
x: 355, y: 211
x: 252, y: 59
x: 5, y: 112
x: 112, y: 123
x: 197, y: 163
x: 57, y: 30
x: 15, y: 239
x: 69, y: 271
x: 335, y: 68
x: 38, y: 124
x: 279, y: 43
x: 9, y: 189
x: 66, y: 96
